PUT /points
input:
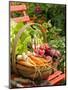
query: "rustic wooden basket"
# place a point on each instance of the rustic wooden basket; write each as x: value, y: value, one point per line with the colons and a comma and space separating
x: 28, y: 71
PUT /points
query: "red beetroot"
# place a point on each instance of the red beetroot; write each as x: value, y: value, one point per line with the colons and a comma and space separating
x: 52, y: 52
x: 49, y: 58
x: 47, y: 51
x: 55, y: 53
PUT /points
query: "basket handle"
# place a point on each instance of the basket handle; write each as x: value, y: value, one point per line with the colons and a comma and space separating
x: 16, y: 40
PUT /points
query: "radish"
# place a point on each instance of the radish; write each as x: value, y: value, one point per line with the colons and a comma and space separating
x: 46, y: 46
x: 41, y: 52
x: 36, y: 51
x: 42, y: 47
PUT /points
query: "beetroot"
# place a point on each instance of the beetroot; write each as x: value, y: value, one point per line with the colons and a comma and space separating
x: 48, y: 58
x: 57, y: 53
x: 52, y: 52
x: 47, y: 51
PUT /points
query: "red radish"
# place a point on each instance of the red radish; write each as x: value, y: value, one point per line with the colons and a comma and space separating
x: 36, y: 51
x: 45, y: 49
x: 41, y: 52
x: 42, y: 47
x: 46, y: 45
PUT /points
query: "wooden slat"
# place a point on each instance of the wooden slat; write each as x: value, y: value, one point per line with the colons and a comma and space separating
x: 57, y: 79
x: 16, y: 84
x: 22, y: 19
x: 54, y: 75
x: 17, y: 8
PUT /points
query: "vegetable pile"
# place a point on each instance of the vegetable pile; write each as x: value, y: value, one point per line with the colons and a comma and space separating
x: 49, y: 44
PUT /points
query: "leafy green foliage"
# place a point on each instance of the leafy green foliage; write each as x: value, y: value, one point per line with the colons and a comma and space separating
x: 22, y: 44
x: 14, y: 28
x: 25, y: 40
x: 56, y: 13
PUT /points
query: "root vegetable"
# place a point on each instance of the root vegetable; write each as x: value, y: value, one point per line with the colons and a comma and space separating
x: 41, y: 52
x: 37, y: 60
x: 42, y: 47
x: 49, y: 58
x: 46, y: 46
x: 19, y: 57
x: 55, y: 53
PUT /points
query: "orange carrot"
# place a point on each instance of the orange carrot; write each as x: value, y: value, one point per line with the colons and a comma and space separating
x: 37, y: 60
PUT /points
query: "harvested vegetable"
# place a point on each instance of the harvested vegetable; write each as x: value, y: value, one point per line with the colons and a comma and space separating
x: 19, y: 57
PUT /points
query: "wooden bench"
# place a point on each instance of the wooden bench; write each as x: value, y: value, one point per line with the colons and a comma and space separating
x: 56, y: 78
x: 22, y: 9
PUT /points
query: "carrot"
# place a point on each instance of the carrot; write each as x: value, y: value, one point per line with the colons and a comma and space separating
x: 24, y: 63
x: 45, y: 60
x: 37, y: 60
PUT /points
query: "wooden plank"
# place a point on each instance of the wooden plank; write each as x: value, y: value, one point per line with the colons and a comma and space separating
x: 22, y: 19
x: 54, y: 75
x: 17, y: 8
x: 57, y: 79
